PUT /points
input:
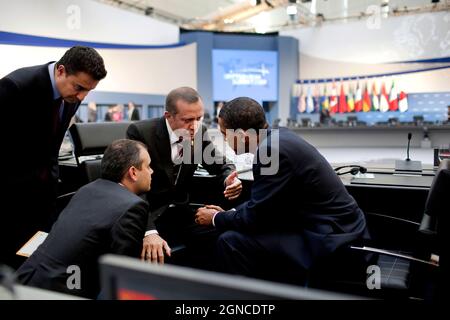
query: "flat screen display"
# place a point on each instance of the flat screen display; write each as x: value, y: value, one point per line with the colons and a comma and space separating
x: 250, y: 73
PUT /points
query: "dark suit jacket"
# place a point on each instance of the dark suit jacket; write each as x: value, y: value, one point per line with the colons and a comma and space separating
x: 305, y: 197
x: 135, y: 115
x: 31, y: 148
x: 102, y: 217
x: 28, y: 91
x: 154, y: 134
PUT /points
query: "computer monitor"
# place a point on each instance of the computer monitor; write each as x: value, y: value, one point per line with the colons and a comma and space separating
x: 125, y: 278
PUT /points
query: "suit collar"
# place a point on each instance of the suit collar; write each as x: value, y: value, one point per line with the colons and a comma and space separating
x: 51, y: 72
x: 172, y: 136
x: 163, y: 147
x: 161, y: 129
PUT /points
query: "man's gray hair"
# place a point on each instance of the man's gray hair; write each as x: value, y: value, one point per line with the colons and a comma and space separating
x: 186, y: 94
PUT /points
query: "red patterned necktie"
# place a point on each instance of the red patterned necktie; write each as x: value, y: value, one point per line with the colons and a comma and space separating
x: 180, y: 147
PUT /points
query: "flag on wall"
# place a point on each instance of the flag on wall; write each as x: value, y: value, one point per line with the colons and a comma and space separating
x: 350, y: 101
x: 384, y: 99
x: 358, y: 98
x: 333, y: 99
x: 343, y: 107
x: 366, y: 104
x: 375, y: 99
x: 316, y: 98
x: 325, y: 103
x: 393, y: 98
x: 309, y: 101
x: 402, y: 102
x: 301, y: 106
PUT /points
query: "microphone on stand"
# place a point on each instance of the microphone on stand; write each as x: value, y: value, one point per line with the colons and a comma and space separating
x: 408, y: 165
x: 407, y: 148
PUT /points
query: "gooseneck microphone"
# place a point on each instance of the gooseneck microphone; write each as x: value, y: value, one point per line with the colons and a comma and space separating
x: 407, y: 165
x: 407, y: 148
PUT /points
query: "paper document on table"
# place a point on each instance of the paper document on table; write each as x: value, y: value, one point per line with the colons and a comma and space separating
x: 32, y: 244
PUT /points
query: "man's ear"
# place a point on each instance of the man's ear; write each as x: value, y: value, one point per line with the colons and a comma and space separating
x: 132, y: 173
x: 60, y: 70
x: 167, y: 114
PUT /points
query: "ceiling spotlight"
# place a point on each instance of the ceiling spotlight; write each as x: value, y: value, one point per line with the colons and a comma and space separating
x: 291, y: 10
x: 261, y: 29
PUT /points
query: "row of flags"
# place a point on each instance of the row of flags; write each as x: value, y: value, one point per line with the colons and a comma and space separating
x: 358, y: 100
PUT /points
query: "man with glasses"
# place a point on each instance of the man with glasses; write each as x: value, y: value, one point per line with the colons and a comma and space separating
x: 177, y: 143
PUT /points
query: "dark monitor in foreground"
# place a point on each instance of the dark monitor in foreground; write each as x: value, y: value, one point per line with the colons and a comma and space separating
x: 126, y: 278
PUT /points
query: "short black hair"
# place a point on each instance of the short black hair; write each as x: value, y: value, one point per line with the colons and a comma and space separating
x: 83, y: 59
x: 186, y: 94
x: 243, y: 113
x: 119, y: 156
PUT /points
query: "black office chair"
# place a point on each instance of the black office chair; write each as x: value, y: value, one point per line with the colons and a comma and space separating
x: 393, y: 121
x: 419, y: 274
x: 306, y: 122
x: 90, y: 141
x: 352, y: 121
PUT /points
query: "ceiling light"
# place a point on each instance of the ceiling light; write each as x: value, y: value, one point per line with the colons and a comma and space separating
x: 291, y: 10
x: 261, y: 29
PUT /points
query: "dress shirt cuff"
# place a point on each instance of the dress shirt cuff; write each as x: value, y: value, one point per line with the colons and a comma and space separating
x: 149, y: 232
x: 214, y: 216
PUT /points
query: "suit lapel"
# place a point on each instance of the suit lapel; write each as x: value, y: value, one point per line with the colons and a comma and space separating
x: 164, y: 150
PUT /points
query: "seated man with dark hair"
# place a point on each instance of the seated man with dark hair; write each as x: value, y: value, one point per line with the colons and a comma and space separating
x: 104, y: 216
x: 299, y: 210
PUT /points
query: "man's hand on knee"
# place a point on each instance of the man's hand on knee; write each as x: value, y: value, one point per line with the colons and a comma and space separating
x: 153, y: 249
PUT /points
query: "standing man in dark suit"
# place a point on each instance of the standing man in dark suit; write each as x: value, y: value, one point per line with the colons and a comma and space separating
x: 177, y: 143
x: 299, y: 210
x: 133, y: 112
x: 47, y: 96
x: 104, y: 216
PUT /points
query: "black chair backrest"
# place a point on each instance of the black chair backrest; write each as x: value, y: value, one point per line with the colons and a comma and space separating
x: 93, y: 138
x: 437, y: 200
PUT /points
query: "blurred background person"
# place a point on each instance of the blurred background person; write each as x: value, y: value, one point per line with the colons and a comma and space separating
x: 92, y: 112
x: 133, y: 112
x: 117, y: 114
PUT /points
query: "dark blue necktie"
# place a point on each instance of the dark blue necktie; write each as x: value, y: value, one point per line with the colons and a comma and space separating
x: 56, y: 121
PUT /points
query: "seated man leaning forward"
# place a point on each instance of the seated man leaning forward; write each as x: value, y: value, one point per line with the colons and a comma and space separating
x: 299, y: 210
x: 178, y: 142
x: 104, y: 216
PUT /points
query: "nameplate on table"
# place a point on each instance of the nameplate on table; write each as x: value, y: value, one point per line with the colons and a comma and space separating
x: 396, y: 180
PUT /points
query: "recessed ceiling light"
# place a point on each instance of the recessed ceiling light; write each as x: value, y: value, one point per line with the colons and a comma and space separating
x: 291, y: 10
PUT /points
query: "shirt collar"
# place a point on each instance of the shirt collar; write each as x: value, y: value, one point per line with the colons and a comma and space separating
x: 172, y: 136
x: 51, y: 71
